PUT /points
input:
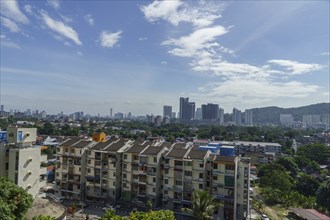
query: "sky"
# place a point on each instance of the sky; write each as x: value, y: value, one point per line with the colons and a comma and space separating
x: 136, y: 56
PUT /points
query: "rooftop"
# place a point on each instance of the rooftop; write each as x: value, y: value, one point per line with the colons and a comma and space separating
x: 263, y: 144
x: 69, y: 142
x: 152, y: 150
x: 81, y: 144
x: 197, y: 154
x: 136, y: 149
x: 177, y: 152
x: 227, y: 159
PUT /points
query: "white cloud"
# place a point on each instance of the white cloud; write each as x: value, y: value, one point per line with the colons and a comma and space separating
x: 61, y: 29
x: 254, y: 91
x: 28, y: 9
x: 143, y: 38
x: 296, y: 68
x: 163, y: 62
x: 325, y: 54
x: 198, y: 42
x: 12, y: 26
x: 5, y: 42
x: 79, y: 53
x: 204, y: 14
x: 109, y: 39
x: 66, y: 19
x: 54, y: 3
x: 10, y: 9
x: 89, y: 19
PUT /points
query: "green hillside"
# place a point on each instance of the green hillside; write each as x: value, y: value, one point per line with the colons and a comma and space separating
x: 272, y: 114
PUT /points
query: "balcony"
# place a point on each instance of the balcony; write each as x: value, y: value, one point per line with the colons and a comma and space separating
x: 199, y: 180
x: 216, y: 172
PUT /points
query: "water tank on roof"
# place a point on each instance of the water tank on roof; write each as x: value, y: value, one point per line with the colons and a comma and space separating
x: 227, y: 151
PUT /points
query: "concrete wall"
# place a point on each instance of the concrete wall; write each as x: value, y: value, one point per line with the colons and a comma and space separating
x: 21, y: 135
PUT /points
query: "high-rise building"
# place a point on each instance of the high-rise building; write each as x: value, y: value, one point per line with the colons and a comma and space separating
x: 158, y: 121
x: 167, y: 111
x: 286, y: 119
x: 2, y: 108
x: 237, y: 116
x: 310, y: 120
x: 248, y: 114
x: 210, y: 111
x: 221, y: 116
x: 110, y: 112
x: 199, y: 114
x: 173, y: 115
x: 187, y: 109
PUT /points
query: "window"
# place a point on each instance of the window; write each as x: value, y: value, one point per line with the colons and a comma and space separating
x: 57, y: 174
x: 89, y: 162
x: 178, y: 182
x: 166, y: 181
x: 165, y: 192
x: 89, y: 152
x: 154, y: 179
x: 7, y: 166
x: 188, y: 163
x: 201, y: 175
x: 124, y: 175
x: 79, y: 169
x: 200, y: 186
x: 215, y: 166
x: 187, y: 173
x: 215, y: 177
x: 135, y: 157
x: 72, y: 151
x: 166, y: 171
x: 88, y: 170
x: 125, y: 156
x: 114, y: 183
x: 201, y: 165
x: 230, y: 166
x: 114, y: 174
x: 125, y: 165
x: 155, y: 159
x: 153, y: 189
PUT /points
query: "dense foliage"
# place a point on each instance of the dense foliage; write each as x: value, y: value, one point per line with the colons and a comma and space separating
x: 315, y: 152
x: 150, y: 215
x: 323, y: 195
x: 203, y: 205
x: 14, y: 200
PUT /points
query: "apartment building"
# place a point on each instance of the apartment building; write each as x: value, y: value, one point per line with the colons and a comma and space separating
x: 230, y: 186
x: 70, y: 170
x: 260, y: 147
x: 185, y: 170
x: 103, y: 174
x: 21, y: 159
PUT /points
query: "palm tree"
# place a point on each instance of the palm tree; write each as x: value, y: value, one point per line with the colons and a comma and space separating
x: 203, y: 205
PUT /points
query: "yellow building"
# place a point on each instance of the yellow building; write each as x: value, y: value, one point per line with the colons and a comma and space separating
x: 99, y: 137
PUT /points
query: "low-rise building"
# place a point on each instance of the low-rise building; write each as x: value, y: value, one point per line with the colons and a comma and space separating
x: 21, y: 160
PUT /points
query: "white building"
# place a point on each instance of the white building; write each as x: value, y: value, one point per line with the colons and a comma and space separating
x: 248, y: 114
x: 21, y: 159
x: 286, y: 119
x: 310, y: 120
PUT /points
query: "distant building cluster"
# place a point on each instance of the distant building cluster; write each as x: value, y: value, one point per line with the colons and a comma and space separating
x: 308, y: 121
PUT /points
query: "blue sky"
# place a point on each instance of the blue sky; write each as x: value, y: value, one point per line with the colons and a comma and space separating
x: 136, y: 56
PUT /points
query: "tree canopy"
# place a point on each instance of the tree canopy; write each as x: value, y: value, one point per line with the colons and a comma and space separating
x: 150, y: 215
x: 323, y: 195
x: 14, y: 200
x: 316, y: 152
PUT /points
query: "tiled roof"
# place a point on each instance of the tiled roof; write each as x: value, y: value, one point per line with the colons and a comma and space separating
x: 152, y: 150
x: 177, y: 153
x: 197, y: 154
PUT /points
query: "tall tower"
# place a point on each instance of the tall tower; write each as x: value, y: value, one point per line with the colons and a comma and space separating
x: 110, y: 112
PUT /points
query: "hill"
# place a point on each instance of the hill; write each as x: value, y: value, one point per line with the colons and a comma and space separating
x: 272, y: 114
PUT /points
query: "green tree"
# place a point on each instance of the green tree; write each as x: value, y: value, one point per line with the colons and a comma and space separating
x: 14, y: 200
x: 276, y: 177
x: 289, y: 164
x: 316, y: 152
x: 307, y: 185
x: 150, y: 215
x: 323, y: 195
x: 203, y: 205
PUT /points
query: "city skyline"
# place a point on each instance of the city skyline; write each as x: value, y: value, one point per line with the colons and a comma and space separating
x: 62, y: 56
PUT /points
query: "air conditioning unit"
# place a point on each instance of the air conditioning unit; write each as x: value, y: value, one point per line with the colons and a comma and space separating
x: 30, y: 159
x: 29, y: 172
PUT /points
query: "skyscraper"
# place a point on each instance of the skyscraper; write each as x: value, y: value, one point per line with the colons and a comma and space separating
x: 199, y: 114
x: 210, y: 111
x: 187, y: 109
x: 237, y: 116
x: 167, y: 111
x: 248, y: 114
x: 221, y: 116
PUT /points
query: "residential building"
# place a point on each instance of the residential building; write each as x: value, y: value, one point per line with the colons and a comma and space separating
x: 104, y: 170
x: 198, y: 113
x: 187, y: 110
x: 158, y: 121
x: 286, y: 119
x: 70, y: 175
x: 310, y: 120
x: 248, y: 115
x: 167, y: 111
x: 260, y: 147
x: 21, y: 160
x: 237, y: 116
x: 210, y: 111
